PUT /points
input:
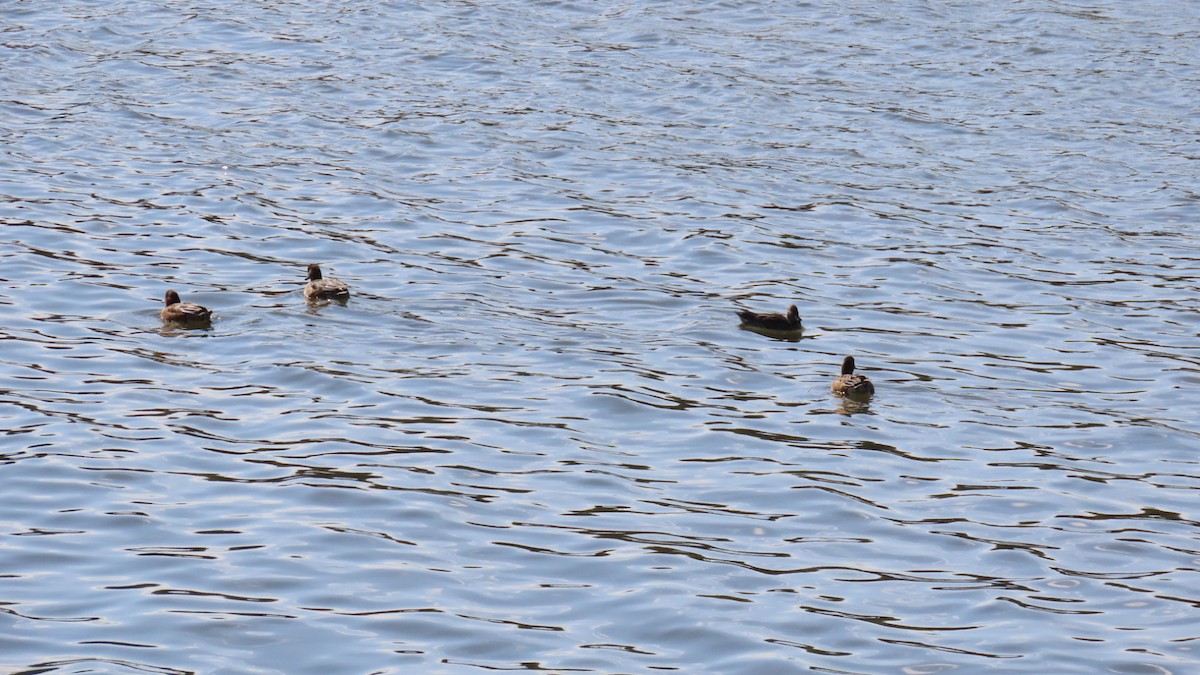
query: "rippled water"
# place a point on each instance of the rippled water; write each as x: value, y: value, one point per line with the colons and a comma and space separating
x: 535, y: 438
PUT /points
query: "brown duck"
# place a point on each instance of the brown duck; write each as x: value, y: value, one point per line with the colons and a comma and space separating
x: 851, y: 384
x: 772, y: 320
x: 319, y: 288
x: 184, y: 312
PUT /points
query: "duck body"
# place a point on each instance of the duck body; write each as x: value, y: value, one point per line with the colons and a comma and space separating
x: 188, y: 313
x: 772, y: 320
x: 320, y: 288
x: 850, y: 383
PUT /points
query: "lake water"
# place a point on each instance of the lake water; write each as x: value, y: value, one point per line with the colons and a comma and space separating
x: 535, y: 438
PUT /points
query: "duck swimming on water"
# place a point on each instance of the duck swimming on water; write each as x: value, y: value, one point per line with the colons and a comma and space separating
x: 850, y: 383
x: 188, y: 313
x: 319, y: 288
x: 772, y: 320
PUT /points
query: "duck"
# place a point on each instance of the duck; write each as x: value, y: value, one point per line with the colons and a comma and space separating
x: 772, y: 320
x: 178, y: 311
x: 850, y: 383
x: 319, y: 288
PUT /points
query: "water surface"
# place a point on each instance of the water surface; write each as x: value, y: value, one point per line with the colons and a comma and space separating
x: 535, y: 438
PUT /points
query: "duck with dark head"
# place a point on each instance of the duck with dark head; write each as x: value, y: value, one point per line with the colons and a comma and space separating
x: 185, y: 313
x: 319, y: 288
x: 851, y: 384
x: 772, y: 320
